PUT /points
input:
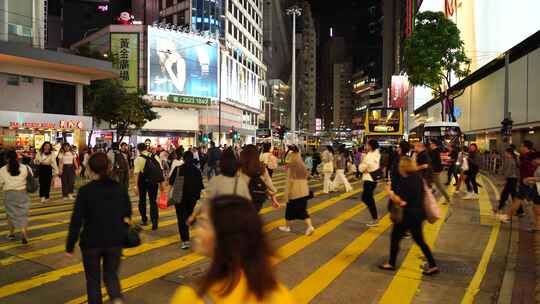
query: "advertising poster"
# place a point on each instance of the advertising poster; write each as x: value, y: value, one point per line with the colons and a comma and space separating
x: 181, y: 64
x: 400, y: 91
x: 125, y: 49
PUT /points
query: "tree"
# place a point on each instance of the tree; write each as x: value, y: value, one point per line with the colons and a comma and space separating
x: 433, y: 54
x: 107, y: 101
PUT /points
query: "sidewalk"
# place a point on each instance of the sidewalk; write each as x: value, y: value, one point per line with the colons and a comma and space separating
x: 520, y: 284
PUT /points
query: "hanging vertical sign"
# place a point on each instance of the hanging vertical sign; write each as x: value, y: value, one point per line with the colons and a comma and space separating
x: 125, y: 51
x: 399, y: 91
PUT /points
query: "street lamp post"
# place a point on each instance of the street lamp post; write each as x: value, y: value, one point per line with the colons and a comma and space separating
x: 294, y: 11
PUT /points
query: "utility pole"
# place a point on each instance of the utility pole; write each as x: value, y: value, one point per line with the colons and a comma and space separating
x: 294, y: 11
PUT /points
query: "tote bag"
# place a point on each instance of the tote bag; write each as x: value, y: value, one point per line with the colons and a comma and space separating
x: 433, y: 212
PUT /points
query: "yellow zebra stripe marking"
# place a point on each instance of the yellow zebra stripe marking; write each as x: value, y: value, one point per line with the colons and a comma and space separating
x: 405, y: 283
x: 474, y: 285
x: 319, y: 280
x: 283, y: 253
x: 55, y: 275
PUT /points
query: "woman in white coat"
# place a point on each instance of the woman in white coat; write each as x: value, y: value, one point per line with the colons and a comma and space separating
x: 327, y: 158
x: 370, y: 168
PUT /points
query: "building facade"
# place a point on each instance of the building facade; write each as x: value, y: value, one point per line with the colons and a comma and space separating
x: 306, y: 96
x: 239, y: 26
x: 342, y: 95
x: 41, y: 91
x: 334, y: 51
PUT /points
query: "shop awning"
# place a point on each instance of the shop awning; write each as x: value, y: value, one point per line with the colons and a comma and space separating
x: 23, y: 60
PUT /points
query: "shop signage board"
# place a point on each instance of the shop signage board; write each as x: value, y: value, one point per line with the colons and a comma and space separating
x: 14, y: 119
x: 125, y: 49
x: 191, y: 100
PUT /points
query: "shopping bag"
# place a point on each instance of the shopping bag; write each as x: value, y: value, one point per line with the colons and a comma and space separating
x: 57, y: 182
x: 433, y: 212
x: 162, y: 201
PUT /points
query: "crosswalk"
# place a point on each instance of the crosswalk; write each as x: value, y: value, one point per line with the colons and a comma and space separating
x: 337, y: 264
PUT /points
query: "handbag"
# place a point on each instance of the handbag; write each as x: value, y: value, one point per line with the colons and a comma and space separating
x: 133, y: 239
x: 376, y: 175
x: 32, y: 184
x: 163, y: 201
x: 177, y: 189
x: 433, y: 212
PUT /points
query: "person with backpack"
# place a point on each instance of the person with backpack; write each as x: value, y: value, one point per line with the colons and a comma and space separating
x: 149, y: 176
x: 213, y: 156
x: 254, y: 173
x: 371, y: 172
x: 268, y: 159
x: 340, y: 163
x: 120, y: 165
x: 187, y: 184
x: 297, y: 194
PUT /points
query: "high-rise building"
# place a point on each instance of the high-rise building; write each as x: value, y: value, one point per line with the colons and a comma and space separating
x: 277, y: 58
x: 306, y: 75
x: 239, y: 24
x: 342, y: 95
x: 334, y: 51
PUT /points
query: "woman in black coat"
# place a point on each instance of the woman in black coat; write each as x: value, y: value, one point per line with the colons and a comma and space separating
x: 187, y: 184
x: 103, y: 210
x: 408, y: 195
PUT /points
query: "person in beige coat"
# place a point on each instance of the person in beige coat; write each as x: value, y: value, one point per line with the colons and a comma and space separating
x: 297, y: 194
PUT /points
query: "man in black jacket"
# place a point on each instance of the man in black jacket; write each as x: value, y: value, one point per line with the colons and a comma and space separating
x: 213, y: 155
x: 436, y: 163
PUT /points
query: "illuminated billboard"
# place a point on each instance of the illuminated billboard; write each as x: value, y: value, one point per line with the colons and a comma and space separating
x: 181, y: 64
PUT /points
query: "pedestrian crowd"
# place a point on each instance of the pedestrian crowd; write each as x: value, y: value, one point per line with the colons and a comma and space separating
x: 221, y: 219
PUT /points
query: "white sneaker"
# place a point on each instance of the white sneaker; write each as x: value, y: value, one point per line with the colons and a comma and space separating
x: 186, y: 245
x: 309, y: 230
x: 284, y: 228
x: 43, y: 200
x: 373, y: 223
x: 70, y: 196
x: 468, y: 196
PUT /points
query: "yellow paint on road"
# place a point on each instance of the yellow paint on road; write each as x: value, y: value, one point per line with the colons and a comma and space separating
x: 319, y: 280
x: 474, y: 285
x: 45, y: 278
x: 487, y: 217
x: 283, y: 253
x: 405, y: 283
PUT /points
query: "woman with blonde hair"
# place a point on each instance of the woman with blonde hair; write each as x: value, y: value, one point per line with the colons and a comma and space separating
x: 297, y: 193
x: 408, y: 197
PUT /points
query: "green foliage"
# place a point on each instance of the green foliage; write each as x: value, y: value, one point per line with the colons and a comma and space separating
x: 107, y: 101
x: 434, y: 49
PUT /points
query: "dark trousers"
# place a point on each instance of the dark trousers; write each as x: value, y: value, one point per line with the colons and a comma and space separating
x: 314, y: 171
x: 367, y: 198
x: 415, y: 227
x: 510, y: 188
x: 452, y: 171
x: 92, y: 258
x: 211, y: 171
x: 68, y: 180
x: 183, y: 212
x: 45, y: 178
x: 152, y: 190
x: 270, y: 172
x: 470, y: 181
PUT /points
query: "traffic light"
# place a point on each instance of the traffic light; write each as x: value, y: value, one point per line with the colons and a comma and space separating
x: 200, y: 136
x: 281, y: 132
x: 231, y: 133
x: 236, y: 136
x: 205, y: 138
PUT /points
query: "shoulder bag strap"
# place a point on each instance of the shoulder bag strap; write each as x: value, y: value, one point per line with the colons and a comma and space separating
x: 207, y: 300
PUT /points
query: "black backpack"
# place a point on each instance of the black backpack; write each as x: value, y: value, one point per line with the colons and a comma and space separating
x: 258, y: 191
x: 152, y: 173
